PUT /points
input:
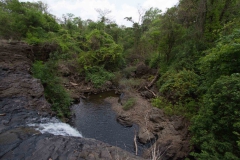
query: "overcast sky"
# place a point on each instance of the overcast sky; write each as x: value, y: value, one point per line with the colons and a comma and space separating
x: 120, y: 8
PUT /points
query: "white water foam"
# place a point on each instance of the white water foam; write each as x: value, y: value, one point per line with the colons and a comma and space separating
x: 56, y: 127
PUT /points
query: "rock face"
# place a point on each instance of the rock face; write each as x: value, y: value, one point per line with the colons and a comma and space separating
x: 22, y: 101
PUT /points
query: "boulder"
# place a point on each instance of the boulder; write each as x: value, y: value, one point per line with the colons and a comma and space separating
x: 144, y: 135
x: 157, y: 116
x: 124, y: 120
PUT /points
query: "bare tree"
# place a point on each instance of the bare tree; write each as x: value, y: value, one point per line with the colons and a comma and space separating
x: 104, y: 15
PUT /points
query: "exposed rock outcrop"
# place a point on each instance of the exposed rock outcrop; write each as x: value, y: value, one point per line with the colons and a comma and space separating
x: 22, y: 101
x: 169, y: 135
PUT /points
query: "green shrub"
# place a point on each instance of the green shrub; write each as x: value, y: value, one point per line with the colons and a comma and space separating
x: 53, y: 90
x: 155, y: 60
x: 216, y: 128
x: 186, y: 109
x: 178, y: 93
x: 101, y: 51
x: 223, y: 59
x: 177, y: 86
x: 128, y: 71
x: 116, y: 78
x: 131, y: 83
x: 129, y: 104
x: 98, y: 75
x: 162, y: 103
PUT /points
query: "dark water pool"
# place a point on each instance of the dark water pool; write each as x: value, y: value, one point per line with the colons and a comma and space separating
x: 94, y: 118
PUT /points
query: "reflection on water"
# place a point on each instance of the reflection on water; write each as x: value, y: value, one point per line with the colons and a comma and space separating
x: 95, y: 119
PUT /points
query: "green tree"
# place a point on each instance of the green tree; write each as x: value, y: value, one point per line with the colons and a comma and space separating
x: 53, y: 90
x: 101, y: 51
x: 224, y: 59
x: 217, y: 126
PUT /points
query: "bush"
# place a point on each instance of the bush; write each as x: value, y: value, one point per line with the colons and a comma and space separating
x: 128, y: 71
x: 129, y: 104
x: 98, y: 76
x: 155, y: 60
x: 53, y: 90
x: 176, y: 87
x: 186, y: 109
x: 162, y: 103
x: 131, y: 83
x: 178, y: 93
x: 101, y: 51
x: 223, y: 59
x: 116, y: 78
x: 216, y: 129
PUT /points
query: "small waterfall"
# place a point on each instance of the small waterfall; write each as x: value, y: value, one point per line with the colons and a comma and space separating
x: 54, y: 126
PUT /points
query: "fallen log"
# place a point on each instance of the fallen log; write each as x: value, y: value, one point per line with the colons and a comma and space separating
x: 150, y: 91
x: 154, y: 80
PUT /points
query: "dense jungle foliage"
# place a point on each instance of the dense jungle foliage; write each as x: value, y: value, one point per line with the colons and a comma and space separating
x: 195, y: 46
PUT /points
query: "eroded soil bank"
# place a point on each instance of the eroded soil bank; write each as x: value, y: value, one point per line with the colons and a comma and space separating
x: 21, y: 101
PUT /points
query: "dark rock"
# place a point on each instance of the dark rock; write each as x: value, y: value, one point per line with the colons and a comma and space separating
x: 158, y: 127
x: 157, y: 116
x: 144, y: 135
x: 45, y: 146
x: 124, y: 120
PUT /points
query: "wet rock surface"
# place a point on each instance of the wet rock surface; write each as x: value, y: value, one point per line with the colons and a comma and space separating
x: 22, y: 102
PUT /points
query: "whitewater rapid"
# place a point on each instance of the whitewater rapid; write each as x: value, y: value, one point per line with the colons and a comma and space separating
x: 55, y: 127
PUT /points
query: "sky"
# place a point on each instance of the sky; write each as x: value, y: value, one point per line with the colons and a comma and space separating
x: 86, y: 9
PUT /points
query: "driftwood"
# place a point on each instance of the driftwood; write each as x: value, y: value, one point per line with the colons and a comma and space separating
x: 150, y: 91
x: 73, y: 84
x: 135, y: 142
x: 3, y: 114
x: 154, y: 80
x: 82, y: 96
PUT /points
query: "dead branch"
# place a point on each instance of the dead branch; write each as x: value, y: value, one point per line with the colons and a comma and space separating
x: 154, y: 80
x: 150, y: 91
x: 73, y: 84
x: 135, y: 142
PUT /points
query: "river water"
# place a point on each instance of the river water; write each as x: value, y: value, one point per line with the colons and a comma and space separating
x: 94, y: 118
